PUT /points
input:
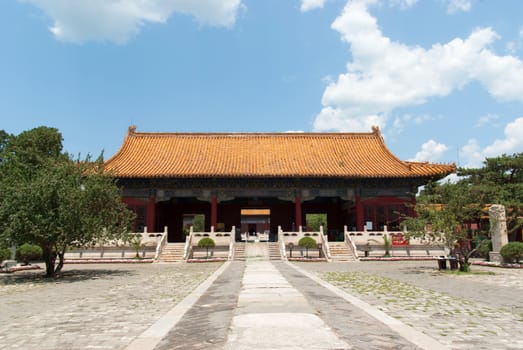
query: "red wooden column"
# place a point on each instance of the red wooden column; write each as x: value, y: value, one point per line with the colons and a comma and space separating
x: 214, y: 211
x: 297, y: 203
x: 359, y: 214
x: 151, y: 214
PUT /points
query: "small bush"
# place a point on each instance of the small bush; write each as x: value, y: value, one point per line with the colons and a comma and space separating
x: 307, y: 243
x: 5, y: 254
x: 206, y: 243
x: 28, y: 252
x: 512, y: 252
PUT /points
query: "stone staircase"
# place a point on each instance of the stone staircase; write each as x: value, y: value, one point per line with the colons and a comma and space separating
x: 172, y: 252
x: 274, y: 251
x: 340, y: 251
x: 239, y: 251
x: 256, y: 251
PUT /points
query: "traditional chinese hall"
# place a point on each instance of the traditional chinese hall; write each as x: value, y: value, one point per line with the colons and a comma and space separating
x: 262, y: 181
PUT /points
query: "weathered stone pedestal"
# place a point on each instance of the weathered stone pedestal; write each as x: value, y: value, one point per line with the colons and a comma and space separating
x: 498, y: 231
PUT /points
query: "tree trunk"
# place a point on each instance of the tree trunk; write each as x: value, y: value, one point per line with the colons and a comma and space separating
x: 60, y: 262
x: 49, y: 259
x: 464, y: 265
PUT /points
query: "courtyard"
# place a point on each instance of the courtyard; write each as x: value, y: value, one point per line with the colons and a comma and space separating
x: 107, y: 306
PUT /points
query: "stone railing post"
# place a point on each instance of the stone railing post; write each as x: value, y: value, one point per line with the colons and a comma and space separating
x: 498, y: 231
x: 231, y: 243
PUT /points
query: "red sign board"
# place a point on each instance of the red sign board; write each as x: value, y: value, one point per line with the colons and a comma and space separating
x: 398, y: 239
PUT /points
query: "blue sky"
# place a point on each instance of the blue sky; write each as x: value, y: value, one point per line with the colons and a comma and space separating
x: 442, y: 78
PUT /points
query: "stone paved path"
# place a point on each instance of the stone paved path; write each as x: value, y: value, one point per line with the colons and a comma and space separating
x: 350, y: 323
x: 206, y: 324
x: 272, y: 314
x: 107, y: 306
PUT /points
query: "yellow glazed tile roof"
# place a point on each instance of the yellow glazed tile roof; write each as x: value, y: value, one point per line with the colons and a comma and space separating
x: 352, y: 155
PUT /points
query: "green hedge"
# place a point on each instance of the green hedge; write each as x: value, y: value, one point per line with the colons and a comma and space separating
x: 206, y: 243
x: 5, y: 254
x: 28, y: 252
x: 307, y: 242
x: 512, y: 252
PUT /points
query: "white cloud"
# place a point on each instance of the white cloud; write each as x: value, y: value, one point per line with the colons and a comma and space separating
x: 487, y: 119
x: 119, y: 20
x: 384, y: 75
x: 331, y: 119
x: 307, y: 5
x: 512, y: 47
x: 472, y: 156
x: 515, y: 45
x: 459, y: 5
x: 403, y: 4
x: 400, y: 122
x: 512, y: 143
x: 431, y: 151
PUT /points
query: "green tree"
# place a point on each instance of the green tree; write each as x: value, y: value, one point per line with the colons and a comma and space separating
x: 314, y: 221
x: 447, y: 207
x: 307, y: 243
x: 5, y: 254
x: 442, y: 210
x: 136, y: 243
x: 499, y: 181
x: 55, y: 202
x: 33, y: 148
x: 198, y: 223
x: 206, y: 243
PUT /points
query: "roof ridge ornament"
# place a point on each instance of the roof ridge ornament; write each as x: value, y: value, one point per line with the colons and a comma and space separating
x: 131, y: 129
x: 375, y: 129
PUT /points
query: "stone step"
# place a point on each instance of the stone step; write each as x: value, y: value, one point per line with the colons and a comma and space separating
x: 274, y: 251
x: 172, y: 252
x: 239, y: 252
x: 341, y: 252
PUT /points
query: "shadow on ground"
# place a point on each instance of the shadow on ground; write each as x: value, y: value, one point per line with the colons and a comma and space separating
x: 67, y: 276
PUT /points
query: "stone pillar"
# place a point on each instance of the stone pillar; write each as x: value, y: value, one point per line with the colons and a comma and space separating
x: 498, y: 231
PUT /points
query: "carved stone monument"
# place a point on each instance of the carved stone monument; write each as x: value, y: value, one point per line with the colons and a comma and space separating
x: 498, y: 230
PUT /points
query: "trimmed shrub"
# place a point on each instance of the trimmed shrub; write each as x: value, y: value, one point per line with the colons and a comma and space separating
x: 307, y: 243
x: 5, y: 254
x: 28, y: 252
x: 206, y: 243
x: 512, y: 252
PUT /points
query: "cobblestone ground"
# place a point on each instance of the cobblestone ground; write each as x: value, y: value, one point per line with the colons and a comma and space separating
x: 477, y: 311
x: 91, y: 306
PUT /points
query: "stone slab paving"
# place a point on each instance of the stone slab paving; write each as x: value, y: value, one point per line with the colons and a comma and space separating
x: 353, y: 325
x: 461, y: 311
x: 205, y: 325
x: 91, y: 306
x: 108, y: 306
x: 272, y: 314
